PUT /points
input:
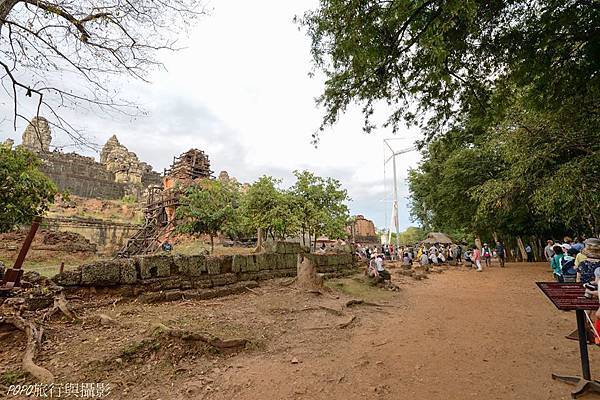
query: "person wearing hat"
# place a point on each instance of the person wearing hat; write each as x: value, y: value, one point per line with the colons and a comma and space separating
x: 586, y: 268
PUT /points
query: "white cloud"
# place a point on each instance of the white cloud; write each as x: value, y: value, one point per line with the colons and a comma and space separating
x: 240, y: 91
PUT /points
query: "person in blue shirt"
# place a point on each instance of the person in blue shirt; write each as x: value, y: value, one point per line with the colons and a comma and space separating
x: 555, y: 263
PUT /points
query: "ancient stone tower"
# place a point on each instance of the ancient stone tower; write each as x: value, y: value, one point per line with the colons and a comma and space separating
x: 37, y: 136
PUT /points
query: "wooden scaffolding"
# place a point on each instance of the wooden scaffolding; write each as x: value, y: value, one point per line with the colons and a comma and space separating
x: 159, y: 211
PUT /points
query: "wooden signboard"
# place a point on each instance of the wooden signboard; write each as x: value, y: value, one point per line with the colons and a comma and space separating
x: 568, y: 296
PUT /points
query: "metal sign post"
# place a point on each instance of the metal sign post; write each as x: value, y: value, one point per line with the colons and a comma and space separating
x: 569, y: 297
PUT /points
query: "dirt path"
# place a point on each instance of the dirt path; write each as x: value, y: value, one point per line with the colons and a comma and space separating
x: 458, y: 335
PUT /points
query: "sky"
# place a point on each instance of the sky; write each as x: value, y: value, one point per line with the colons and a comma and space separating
x: 240, y: 90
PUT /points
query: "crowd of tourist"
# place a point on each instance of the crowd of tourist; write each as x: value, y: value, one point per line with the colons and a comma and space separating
x: 573, y: 260
x: 434, y: 254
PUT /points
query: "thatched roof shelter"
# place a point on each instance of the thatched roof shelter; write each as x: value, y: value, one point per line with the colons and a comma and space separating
x: 437, y: 237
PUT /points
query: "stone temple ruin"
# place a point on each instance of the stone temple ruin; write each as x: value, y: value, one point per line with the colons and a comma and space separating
x: 119, y: 172
x: 159, y: 213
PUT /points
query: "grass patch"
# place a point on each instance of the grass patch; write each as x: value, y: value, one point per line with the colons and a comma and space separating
x: 358, y: 287
x: 12, y: 377
x: 141, y: 348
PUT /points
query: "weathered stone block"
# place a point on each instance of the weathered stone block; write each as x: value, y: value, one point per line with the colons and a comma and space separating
x: 128, y: 272
x: 250, y: 264
x: 261, y: 262
x: 105, y: 273
x: 68, y: 278
x: 239, y: 263
x: 191, y: 266
x: 173, y: 295
x: 223, y: 279
x: 156, y: 266
x: 226, y: 264
x: 291, y: 260
x: 213, y: 265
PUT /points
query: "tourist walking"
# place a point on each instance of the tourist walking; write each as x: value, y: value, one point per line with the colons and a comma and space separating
x: 556, y: 263
x: 501, y: 254
x: 529, y: 252
x: 487, y: 255
x: 476, y: 258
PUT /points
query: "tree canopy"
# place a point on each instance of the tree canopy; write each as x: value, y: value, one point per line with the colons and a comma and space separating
x: 435, y: 63
x: 507, y: 94
x: 320, y: 204
x: 25, y: 192
x: 209, y: 207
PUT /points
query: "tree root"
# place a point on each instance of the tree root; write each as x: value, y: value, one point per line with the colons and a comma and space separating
x: 289, y: 282
x: 355, y: 302
x: 341, y: 325
x: 202, y: 337
x: 60, y: 304
x: 319, y: 308
x: 347, y: 323
x: 34, y: 340
x: 252, y: 291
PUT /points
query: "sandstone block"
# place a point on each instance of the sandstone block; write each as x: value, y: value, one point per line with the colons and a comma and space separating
x: 226, y: 264
x: 68, y: 278
x: 128, y: 272
x: 239, y: 263
x: 191, y: 266
x: 290, y: 261
x: 105, y: 273
x: 156, y: 266
x: 250, y: 264
x: 213, y: 265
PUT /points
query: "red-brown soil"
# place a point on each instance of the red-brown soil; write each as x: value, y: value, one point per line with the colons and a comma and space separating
x: 457, y: 335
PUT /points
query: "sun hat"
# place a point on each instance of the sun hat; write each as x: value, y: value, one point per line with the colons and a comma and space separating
x: 592, y: 248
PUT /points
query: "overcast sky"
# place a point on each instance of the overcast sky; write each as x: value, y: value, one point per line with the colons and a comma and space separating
x: 240, y: 91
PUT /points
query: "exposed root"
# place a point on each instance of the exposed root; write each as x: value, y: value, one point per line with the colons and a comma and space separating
x: 60, y: 304
x: 341, y: 325
x: 252, y: 290
x: 289, y: 282
x: 202, y: 337
x: 320, y: 308
x: 355, y: 302
x: 34, y: 340
x: 347, y: 323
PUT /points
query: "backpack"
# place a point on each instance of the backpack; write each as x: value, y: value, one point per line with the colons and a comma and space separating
x: 567, y: 265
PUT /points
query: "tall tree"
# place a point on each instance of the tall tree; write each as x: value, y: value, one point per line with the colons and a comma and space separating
x: 321, y: 205
x: 25, y: 192
x: 209, y: 207
x: 269, y: 210
x: 65, y: 53
x: 434, y: 62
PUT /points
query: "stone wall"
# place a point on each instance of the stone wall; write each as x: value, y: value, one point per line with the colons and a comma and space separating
x: 81, y: 176
x: 118, y: 173
x: 107, y: 236
x: 173, y: 274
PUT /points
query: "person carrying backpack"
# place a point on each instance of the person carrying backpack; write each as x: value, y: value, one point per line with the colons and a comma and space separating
x: 487, y: 254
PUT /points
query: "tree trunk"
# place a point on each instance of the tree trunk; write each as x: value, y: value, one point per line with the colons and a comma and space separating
x: 307, y: 276
x: 6, y: 7
x: 212, y: 244
x: 521, y: 249
x: 259, y: 240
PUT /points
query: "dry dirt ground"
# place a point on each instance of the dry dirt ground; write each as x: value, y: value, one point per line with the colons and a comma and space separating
x: 457, y: 335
